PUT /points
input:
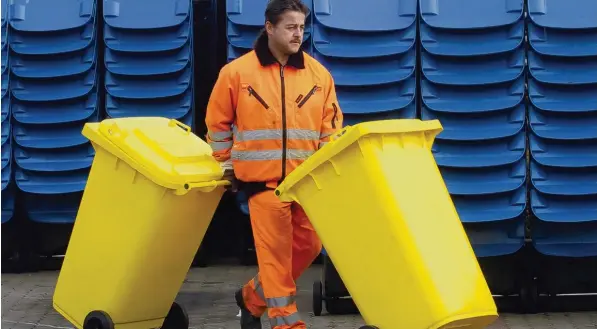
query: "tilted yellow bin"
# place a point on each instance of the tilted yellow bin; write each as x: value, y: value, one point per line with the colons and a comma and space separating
x: 150, y: 196
x: 378, y: 202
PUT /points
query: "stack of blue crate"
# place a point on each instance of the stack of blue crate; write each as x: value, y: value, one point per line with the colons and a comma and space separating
x: 562, y: 60
x: 370, y: 49
x: 54, y: 93
x: 8, y: 197
x: 149, y: 59
x: 245, y: 20
x: 473, y: 81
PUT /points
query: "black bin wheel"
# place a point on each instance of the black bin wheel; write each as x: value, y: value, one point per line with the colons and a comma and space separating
x: 98, y: 320
x: 317, y: 298
x: 368, y: 327
x: 177, y: 318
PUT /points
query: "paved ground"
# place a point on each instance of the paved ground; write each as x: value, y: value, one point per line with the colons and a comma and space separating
x: 207, y: 294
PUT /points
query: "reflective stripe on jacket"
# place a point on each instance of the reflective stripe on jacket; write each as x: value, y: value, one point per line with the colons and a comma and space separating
x: 269, y: 118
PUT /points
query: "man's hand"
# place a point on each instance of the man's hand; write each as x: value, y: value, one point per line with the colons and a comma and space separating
x: 229, y: 175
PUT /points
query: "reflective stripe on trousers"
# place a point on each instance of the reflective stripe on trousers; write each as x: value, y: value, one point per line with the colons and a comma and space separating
x: 258, y: 287
x: 277, y: 302
x: 280, y: 301
x: 284, y: 320
x: 272, y: 302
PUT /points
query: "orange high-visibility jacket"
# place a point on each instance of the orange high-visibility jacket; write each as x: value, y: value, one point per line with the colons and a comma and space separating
x: 269, y: 118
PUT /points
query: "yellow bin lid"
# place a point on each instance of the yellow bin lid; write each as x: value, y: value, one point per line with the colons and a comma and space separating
x: 164, y: 150
x: 351, y: 134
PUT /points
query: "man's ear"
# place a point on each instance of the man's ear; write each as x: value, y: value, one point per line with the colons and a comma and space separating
x: 269, y: 27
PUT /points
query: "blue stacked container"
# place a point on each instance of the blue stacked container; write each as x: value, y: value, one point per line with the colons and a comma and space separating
x: 370, y: 49
x: 372, y: 60
x: 245, y: 19
x: 473, y: 81
x: 54, y: 93
x: 148, y: 59
x: 8, y: 194
x: 562, y: 60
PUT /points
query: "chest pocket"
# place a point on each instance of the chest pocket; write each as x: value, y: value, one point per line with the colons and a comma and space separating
x: 254, y: 109
x: 309, y: 106
x: 311, y: 101
x: 251, y: 98
x: 258, y: 97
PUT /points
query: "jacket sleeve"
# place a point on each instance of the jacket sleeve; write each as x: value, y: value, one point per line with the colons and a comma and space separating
x: 220, y: 114
x: 332, y: 114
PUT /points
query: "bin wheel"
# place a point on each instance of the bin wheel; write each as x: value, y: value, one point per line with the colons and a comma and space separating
x: 317, y: 298
x: 98, y: 320
x: 368, y: 327
x: 177, y: 318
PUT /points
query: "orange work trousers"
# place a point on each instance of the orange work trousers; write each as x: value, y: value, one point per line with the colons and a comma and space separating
x: 286, y: 245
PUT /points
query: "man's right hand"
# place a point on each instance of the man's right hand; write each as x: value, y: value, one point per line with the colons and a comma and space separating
x: 229, y: 175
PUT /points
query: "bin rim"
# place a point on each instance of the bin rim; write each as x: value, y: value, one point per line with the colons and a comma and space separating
x: 346, y: 137
x: 92, y: 132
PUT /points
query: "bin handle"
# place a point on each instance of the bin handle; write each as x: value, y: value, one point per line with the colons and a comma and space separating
x: 206, y: 186
x: 340, y: 133
x: 115, y: 131
x: 174, y: 122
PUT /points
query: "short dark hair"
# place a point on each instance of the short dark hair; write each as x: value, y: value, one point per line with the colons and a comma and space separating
x: 275, y: 9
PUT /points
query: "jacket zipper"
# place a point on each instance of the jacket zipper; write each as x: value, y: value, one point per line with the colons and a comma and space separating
x: 335, y: 117
x: 284, y: 128
x: 252, y: 92
x: 309, y: 94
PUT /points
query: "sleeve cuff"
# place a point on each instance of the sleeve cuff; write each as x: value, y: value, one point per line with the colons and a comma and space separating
x: 226, y: 164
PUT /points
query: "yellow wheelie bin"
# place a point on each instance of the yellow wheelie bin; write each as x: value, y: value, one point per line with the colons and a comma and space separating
x: 150, y: 196
x: 381, y: 208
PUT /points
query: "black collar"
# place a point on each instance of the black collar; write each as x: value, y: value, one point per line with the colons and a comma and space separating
x: 266, y: 57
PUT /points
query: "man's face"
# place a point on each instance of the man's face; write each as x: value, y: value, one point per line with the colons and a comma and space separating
x: 287, y: 35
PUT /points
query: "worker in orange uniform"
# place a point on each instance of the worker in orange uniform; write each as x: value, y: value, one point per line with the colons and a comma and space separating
x: 268, y: 112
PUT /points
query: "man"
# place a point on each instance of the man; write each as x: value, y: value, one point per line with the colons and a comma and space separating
x: 269, y: 111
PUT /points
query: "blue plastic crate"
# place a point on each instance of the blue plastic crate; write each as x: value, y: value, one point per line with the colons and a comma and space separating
x: 477, y: 154
x: 478, y: 126
x: 377, y: 98
x: 563, y: 125
x: 369, y: 71
x: 133, y: 14
x: 477, y: 181
x: 55, y: 112
x: 470, y: 14
x: 472, y: 98
x: 570, y: 153
x: 477, y: 70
